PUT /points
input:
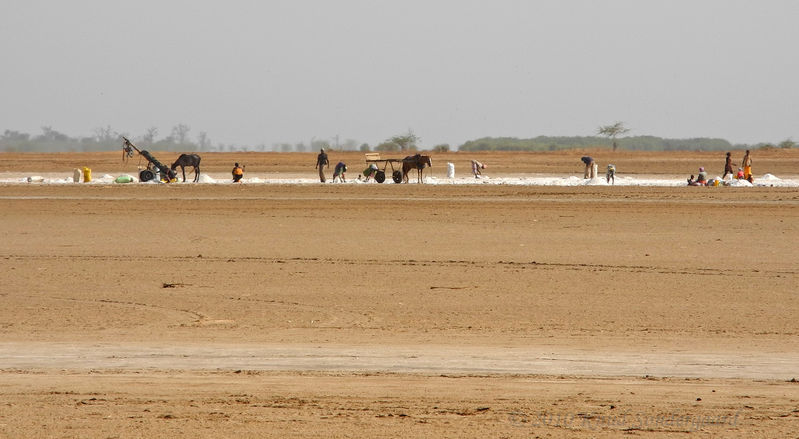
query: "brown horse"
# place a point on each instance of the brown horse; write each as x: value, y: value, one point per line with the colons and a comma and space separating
x: 188, y: 160
x: 418, y: 162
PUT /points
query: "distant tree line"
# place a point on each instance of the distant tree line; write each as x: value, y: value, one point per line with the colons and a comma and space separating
x: 107, y: 139
x: 104, y: 139
x: 638, y: 143
x: 179, y: 139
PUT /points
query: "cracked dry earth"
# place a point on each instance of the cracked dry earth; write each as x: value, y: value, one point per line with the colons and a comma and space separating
x: 385, y: 311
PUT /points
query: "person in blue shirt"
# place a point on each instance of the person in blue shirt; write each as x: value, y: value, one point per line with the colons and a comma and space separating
x: 338, y: 172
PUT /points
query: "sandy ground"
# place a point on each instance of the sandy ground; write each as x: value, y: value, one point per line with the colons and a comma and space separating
x: 398, y: 310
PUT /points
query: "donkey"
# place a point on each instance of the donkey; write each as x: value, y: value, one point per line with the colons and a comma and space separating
x: 188, y: 160
x: 418, y: 162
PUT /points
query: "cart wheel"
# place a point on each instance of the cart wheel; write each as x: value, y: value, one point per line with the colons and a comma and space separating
x: 146, y: 175
x: 397, y: 176
x: 380, y: 176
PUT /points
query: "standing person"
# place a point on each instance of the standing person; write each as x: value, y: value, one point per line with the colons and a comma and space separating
x: 321, y: 162
x: 338, y: 172
x: 476, y: 167
x: 747, y: 164
x: 589, y: 166
x: 728, y: 167
x: 238, y: 173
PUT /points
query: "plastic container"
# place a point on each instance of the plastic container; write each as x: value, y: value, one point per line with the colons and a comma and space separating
x: 77, y: 175
x: 87, y: 174
x: 450, y: 170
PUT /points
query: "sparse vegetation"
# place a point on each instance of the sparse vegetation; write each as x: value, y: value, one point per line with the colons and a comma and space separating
x: 787, y: 143
x: 104, y: 139
x: 388, y: 147
x: 613, y: 131
x: 179, y: 139
x: 641, y: 143
x: 406, y: 142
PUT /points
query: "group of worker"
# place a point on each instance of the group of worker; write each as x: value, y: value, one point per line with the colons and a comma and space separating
x: 339, y: 172
x: 590, y: 170
x: 744, y: 172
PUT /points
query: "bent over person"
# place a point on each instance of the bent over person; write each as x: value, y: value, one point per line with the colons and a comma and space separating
x: 370, y: 171
x: 589, y: 166
x: 339, y: 171
x: 321, y: 162
x: 476, y: 167
x: 610, y: 175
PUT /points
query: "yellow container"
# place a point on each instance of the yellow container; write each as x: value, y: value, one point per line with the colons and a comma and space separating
x: 87, y: 175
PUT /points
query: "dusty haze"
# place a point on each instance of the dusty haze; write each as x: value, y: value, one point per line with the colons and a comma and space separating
x: 252, y: 72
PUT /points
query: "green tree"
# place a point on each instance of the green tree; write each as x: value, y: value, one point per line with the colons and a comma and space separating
x: 15, y: 141
x: 613, y: 131
x: 405, y: 141
x: 106, y: 135
x: 441, y: 148
x: 51, y: 135
x: 388, y: 147
x: 787, y: 143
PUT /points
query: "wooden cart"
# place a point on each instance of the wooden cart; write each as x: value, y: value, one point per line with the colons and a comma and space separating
x: 380, y: 174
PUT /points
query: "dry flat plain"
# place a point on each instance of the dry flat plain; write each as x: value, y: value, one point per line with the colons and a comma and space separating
x: 189, y: 310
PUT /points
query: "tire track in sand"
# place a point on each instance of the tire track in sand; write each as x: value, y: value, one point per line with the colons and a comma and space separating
x: 700, y: 271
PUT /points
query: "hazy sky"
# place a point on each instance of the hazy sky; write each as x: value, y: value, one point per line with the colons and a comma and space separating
x: 252, y: 72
